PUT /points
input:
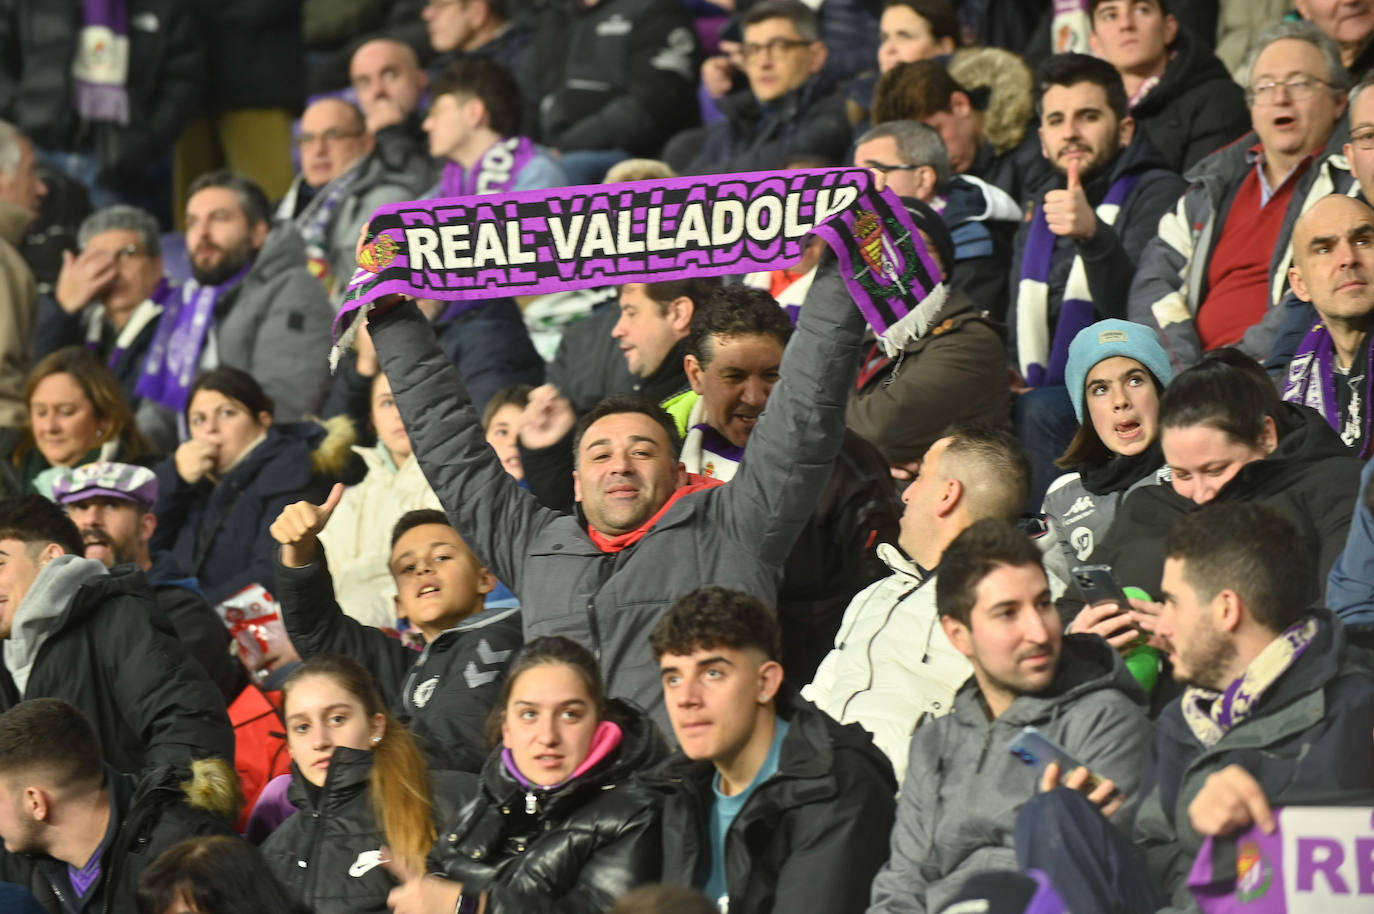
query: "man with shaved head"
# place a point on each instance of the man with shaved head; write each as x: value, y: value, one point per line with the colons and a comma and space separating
x: 1333, y: 269
x: 340, y: 184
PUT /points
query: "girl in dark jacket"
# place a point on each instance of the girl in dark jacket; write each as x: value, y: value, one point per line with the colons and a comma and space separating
x: 225, y: 484
x: 361, y: 788
x: 1226, y: 436
x: 559, y: 824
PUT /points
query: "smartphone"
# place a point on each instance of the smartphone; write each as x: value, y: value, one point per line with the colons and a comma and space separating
x: 1037, y: 750
x: 1096, y: 584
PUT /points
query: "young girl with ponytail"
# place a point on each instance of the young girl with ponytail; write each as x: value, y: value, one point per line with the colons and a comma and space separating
x: 360, y: 784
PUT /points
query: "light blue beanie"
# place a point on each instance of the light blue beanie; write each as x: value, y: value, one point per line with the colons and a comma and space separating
x: 1108, y: 338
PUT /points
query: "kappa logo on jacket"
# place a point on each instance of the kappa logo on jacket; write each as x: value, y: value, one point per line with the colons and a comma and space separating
x: 1081, y: 506
x: 616, y: 25
x: 366, y: 862
x: 424, y: 692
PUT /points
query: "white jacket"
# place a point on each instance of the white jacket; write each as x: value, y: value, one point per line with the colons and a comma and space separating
x: 891, y: 663
x: 357, y: 540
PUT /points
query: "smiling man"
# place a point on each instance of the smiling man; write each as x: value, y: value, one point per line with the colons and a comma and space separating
x: 761, y: 770
x: 1219, y: 264
x: 1333, y: 269
x: 959, y: 801
x: 445, y: 691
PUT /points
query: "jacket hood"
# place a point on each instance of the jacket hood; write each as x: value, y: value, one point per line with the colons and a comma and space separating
x: 271, y: 466
x: 1008, y: 81
x: 283, y: 249
x: 166, y: 571
x: 1086, y: 664
x: 121, y: 581
x: 1304, y: 438
x: 971, y: 199
x: 1193, y: 65
x: 641, y: 747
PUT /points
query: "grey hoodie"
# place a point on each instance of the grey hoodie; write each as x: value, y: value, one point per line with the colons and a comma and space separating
x: 37, y: 613
x: 963, y: 788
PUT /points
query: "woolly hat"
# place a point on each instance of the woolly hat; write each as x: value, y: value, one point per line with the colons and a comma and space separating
x: 1108, y: 338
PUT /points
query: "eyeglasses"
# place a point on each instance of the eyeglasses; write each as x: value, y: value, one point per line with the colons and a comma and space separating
x: 1297, y: 88
x: 889, y: 169
x: 329, y: 137
x: 1363, y: 138
x: 771, y: 48
x: 129, y: 250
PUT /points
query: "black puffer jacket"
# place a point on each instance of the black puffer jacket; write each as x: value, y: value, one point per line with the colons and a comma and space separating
x: 572, y: 849
x: 115, y: 656
x: 38, y: 40
x: 218, y: 531
x: 150, y: 814
x: 443, y: 694
x: 1311, y: 479
x: 329, y: 853
x: 1196, y: 109
x: 810, y: 838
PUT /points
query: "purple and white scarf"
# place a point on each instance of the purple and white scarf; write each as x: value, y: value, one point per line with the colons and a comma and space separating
x: 174, y: 354
x: 494, y: 173
x: 101, y: 67
x: 1211, y: 714
x: 1312, y: 383
x: 1042, y: 358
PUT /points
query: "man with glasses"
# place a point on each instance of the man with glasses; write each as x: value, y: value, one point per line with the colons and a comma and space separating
x: 1219, y: 265
x: 790, y: 108
x: 341, y: 183
x: 109, y: 296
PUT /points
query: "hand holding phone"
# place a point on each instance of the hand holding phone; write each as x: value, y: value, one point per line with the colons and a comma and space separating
x: 1038, y: 751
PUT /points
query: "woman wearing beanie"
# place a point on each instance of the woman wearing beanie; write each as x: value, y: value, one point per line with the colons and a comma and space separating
x: 1116, y: 372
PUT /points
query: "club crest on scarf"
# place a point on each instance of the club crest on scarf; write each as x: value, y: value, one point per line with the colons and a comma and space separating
x: 379, y: 254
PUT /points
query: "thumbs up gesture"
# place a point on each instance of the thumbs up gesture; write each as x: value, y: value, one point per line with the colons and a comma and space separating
x: 1067, y: 211
x: 298, y: 526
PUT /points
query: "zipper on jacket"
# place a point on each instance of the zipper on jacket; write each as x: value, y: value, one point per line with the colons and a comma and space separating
x: 531, y: 803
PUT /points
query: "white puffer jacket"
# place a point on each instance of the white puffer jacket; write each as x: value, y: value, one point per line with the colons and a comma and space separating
x: 357, y: 540
x: 892, y: 663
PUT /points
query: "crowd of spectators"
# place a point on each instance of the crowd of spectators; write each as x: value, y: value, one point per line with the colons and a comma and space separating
x: 693, y: 595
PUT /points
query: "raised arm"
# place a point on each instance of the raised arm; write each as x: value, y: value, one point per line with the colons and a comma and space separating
x: 489, y: 510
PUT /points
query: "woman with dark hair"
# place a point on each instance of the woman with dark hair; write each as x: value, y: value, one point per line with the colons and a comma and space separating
x: 225, y: 484
x: 559, y: 824
x: 361, y: 787
x: 1227, y: 436
x: 912, y: 30
x: 77, y: 415
x: 1115, y: 374
x: 213, y: 875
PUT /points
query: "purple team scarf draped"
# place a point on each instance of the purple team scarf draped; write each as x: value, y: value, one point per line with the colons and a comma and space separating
x: 540, y: 241
x: 101, y: 66
x: 174, y: 354
x: 1042, y: 360
x: 494, y: 173
x: 1312, y: 383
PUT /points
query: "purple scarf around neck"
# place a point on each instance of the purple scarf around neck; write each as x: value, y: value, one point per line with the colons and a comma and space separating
x: 495, y: 172
x: 101, y: 67
x: 1047, y: 369
x: 1312, y: 383
x: 174, y: 354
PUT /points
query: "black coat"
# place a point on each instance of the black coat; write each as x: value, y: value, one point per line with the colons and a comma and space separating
x: 1311, y: 479
x: 255, y: 53
x: 56, y: 329
x: 1196, y: 108
x: 149, y: 815
x: 442, y: 694
x: 810, y: 120
x: 114, y: 656
x: 197, y: 625
x: 218, y: 532
x: 810, y: 838
x: 328, y: 854
x: 573, y: 849
x: 38, y: 40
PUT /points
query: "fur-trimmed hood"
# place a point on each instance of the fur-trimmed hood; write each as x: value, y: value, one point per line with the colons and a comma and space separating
x: 332, y: 453
x: 1008, y: 81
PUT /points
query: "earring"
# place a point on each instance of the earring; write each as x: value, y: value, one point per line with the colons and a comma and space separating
x: 376, y: 740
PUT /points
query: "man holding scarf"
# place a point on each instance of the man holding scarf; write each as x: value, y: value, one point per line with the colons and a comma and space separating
x: 1076, y: 253
x: 341, y: 183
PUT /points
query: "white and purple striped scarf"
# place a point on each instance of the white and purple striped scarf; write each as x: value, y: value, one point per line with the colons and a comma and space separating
x: 101, y: 67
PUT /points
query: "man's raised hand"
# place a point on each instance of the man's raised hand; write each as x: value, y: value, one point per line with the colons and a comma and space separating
x: 1067, y: 211
x: 299, y: 525
x: 548, y: 417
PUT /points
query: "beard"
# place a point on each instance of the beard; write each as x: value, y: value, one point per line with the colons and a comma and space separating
x: 230, y: 262
x: 1207, y: 661
x: 119, y: 553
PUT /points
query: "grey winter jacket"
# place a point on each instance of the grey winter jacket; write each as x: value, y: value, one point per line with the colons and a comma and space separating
x: 275, y: 325
x: 963, y: 787
x: 735, y: 536
x: 1171, y: 278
